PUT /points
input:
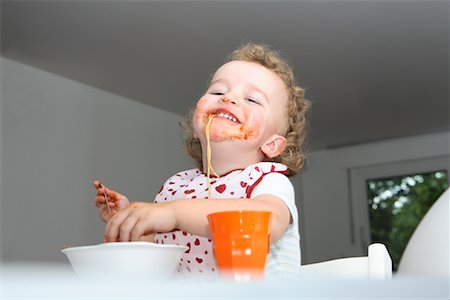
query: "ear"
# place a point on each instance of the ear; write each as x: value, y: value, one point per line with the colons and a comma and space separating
x: 274, y: 146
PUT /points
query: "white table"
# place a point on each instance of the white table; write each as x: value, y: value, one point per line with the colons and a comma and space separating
x: 30, y: 281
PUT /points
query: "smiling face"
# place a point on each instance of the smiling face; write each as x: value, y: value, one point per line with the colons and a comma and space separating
x: 248, y: 102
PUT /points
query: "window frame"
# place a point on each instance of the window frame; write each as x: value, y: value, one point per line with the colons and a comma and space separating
x: 358, y: 177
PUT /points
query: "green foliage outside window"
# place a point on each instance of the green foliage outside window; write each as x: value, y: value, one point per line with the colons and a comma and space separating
x: 397, y: 205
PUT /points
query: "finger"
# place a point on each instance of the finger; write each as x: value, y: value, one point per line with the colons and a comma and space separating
x: 112, y: 227
x: 112, y: 194
x: 115, y: 197
x: 127, y: 227
x: 101, y: 207
x: 98, y: 204
x: 113, y: 204
x: 112, y: 197
x: 103, y: 211
x: 101, y: 191
x: 96, y: 184
x: 100, y: 199
x: 140, y: 228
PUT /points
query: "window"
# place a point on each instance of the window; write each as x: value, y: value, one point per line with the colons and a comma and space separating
x: 397, y: 205
x: 372, y: 218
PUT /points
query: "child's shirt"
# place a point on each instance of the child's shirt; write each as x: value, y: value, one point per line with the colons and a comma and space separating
x: 258, y: 179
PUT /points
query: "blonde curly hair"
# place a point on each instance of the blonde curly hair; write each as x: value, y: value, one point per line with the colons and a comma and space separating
x: 293, y: 156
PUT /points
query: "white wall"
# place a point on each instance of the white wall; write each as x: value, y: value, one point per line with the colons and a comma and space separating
x: 1, y: 147
x: 59, y: 135
x: 331, y: 225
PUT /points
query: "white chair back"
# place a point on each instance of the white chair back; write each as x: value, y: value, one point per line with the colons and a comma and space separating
x: 427, y: 252
x: 377, y: 265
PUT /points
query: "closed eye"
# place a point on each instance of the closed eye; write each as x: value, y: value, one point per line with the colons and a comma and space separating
x: 253, y: 101
x: 217, y: 93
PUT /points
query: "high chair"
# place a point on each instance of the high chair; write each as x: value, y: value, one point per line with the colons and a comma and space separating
x: 427, y: 252
x: 376, y: 265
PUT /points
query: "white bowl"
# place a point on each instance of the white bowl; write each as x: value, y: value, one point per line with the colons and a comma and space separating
x: 132, y: 261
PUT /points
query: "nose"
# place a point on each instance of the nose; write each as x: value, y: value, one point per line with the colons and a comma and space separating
x: 226, y: 99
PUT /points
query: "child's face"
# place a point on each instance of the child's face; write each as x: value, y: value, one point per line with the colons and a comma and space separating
x: 249, y: 103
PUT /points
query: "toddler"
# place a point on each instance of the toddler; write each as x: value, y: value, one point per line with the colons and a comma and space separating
x: 247, y: 129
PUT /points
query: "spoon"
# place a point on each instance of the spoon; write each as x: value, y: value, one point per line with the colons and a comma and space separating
x: 106, y: 198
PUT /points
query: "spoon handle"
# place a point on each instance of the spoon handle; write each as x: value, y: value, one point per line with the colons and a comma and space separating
x: 106, y: 199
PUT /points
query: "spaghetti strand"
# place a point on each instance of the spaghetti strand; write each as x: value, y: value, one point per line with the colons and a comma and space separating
x: 208, y: 155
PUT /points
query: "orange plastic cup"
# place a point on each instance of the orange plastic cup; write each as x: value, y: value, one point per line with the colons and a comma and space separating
x: 241, y: 243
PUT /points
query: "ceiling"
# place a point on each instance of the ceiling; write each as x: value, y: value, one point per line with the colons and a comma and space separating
x: 373, y: 70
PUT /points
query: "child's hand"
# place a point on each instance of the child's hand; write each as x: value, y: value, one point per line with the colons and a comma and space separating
x: 139, y: 219
x: 116, y: 201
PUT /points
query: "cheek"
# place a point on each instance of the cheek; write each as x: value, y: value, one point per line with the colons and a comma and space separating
x: 254, y: 122
x: 202, y: 104
x: 200, y: 114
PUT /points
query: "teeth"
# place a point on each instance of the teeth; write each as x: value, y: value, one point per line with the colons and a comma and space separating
x: 227, y: 116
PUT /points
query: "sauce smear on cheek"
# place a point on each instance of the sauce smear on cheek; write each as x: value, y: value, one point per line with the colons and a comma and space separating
x: 242, y: 132
x: 239, y: 133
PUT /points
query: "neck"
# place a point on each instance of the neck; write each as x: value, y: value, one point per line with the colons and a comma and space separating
x: 227, y: 156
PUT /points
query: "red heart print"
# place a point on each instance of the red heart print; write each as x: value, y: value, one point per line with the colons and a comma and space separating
x: 221, y: 188
x: 199, y: 260
x: 189, y: 191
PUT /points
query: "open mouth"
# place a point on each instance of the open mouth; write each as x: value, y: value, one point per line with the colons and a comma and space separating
x: 226, y: 115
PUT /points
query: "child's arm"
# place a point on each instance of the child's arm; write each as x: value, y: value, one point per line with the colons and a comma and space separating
x: 188, y: 211
x: 190, y: 215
